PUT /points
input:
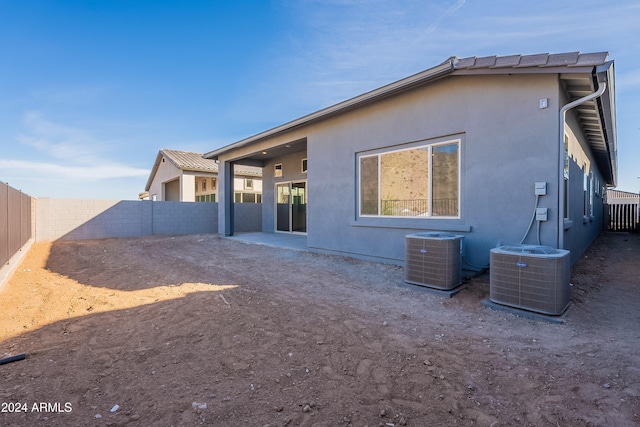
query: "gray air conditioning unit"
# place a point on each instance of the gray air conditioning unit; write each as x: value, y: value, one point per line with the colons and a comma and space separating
x: 530, y: 277
x: 434, y: 260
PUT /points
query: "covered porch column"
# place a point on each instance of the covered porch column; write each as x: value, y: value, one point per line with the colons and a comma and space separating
x: 225, y: 198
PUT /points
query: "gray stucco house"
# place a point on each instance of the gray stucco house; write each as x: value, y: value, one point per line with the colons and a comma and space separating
x: 461, y: 148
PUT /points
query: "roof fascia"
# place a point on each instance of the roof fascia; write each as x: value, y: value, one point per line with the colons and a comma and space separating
x: 399, y: 86
x: 189, y: 169
x: 154, y: 170
x: 607, y: 105
x: 524, y: 70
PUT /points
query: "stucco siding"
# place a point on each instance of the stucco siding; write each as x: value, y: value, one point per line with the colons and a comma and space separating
x: 171, y: 191
x: 583, y: 227
x: 507, y: 144
x: 291, y: 171
x: 166, y: 172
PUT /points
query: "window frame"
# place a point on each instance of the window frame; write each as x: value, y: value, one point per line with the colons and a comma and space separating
x: 429, y: 145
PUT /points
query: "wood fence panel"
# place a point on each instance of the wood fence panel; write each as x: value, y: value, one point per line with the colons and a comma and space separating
x: 15, y: 221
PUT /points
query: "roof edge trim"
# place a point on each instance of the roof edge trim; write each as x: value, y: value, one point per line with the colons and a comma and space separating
x: 605, y: 73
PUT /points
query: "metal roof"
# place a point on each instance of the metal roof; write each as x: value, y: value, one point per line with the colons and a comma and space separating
x: 188, y: 161
x: 195, y: 162
x: 540, y: 60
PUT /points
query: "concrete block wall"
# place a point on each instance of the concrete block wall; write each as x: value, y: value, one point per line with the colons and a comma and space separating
x: 73, y: 219
x: 184, y: 218
x: 57, y: 218
x: 247, y: 217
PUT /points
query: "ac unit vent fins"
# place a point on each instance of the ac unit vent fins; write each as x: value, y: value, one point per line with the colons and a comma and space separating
x: 530, y: 277
x: 433, y: 260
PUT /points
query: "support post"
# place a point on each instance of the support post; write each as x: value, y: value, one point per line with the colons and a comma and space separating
x: 225, y: 195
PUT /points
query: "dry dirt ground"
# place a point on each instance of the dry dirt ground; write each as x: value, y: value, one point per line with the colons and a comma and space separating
x: 199, y: 330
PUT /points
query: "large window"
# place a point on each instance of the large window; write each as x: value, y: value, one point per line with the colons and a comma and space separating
x: 421, y: 181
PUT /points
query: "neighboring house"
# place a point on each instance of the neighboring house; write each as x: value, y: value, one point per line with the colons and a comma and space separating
x: 617, y: 197
x: 189, y: 177
x: 458, y: 148
x: 624, y: 210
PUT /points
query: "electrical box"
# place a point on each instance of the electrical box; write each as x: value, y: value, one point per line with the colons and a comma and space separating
x: 541, y: 214
x: 541, y: 189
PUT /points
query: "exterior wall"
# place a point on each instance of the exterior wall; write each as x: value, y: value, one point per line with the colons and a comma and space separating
x: 210, y: 183
x: 166, y: 172
x: 170, y: 191
x: 71, y: 219
x: 291, y: 171
x: 172, y: 184
x: 581, y: 230
x: 187, y: 187
x: 240, y: 187
x: 507, y: 144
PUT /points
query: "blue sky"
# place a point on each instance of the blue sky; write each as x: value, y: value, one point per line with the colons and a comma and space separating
x: 91, y: 90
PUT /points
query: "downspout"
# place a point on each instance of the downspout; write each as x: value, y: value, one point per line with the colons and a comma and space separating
x: 602, y: 86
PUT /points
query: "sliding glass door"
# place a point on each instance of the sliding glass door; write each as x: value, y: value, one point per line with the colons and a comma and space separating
x: 291, y: 207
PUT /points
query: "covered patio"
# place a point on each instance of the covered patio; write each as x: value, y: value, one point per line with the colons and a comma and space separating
x: 278, y: 240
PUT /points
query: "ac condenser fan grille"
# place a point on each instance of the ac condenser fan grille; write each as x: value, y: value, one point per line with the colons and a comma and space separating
x: 530, y: 281
x: 433, y: 260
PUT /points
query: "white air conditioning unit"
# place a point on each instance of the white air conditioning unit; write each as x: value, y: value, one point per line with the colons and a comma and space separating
x: 531, y: 277
x: 434, y: 260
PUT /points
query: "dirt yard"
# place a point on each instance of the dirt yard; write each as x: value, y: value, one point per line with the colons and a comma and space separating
x: 199, y: 330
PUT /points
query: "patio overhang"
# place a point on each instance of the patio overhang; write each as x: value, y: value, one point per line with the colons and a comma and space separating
x: 257, y: 155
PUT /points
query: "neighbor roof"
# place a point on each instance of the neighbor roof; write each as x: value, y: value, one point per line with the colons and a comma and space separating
x: 579, y: 72
x: 188, y: 161
x: 194, y: 162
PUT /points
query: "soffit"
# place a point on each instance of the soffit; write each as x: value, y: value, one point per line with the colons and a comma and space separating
x: 592, y: 123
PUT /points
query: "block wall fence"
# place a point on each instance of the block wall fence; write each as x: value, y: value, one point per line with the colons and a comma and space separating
x: 75, y: 219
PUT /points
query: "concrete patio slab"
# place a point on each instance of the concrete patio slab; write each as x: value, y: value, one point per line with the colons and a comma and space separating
x: 279, y: 240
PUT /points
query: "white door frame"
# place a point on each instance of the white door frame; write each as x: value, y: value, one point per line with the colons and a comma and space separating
x: 275, y: 207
